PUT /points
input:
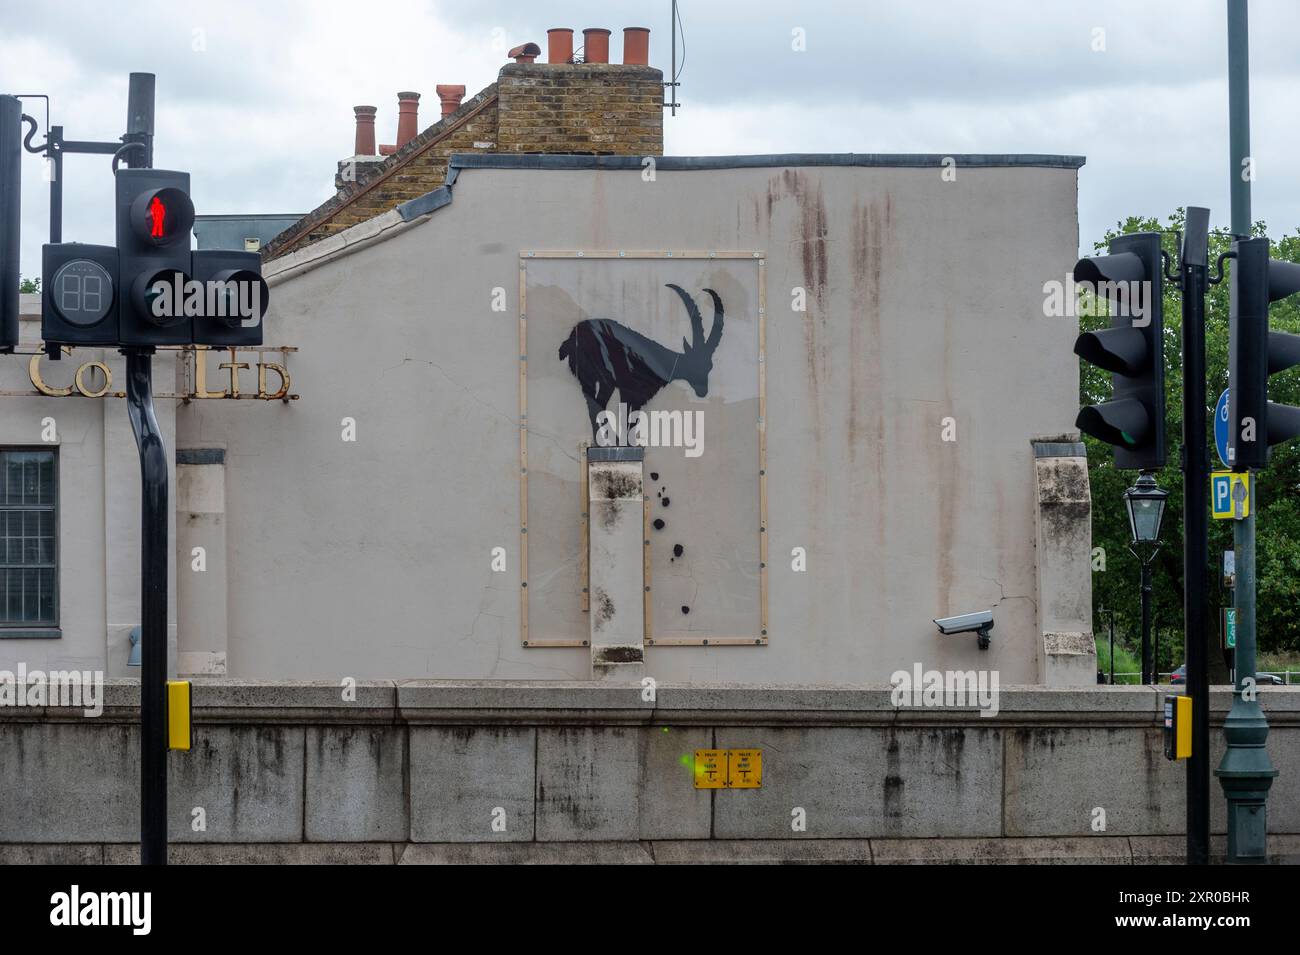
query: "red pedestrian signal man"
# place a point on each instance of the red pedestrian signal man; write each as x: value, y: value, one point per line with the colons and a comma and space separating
x: 157, y: 213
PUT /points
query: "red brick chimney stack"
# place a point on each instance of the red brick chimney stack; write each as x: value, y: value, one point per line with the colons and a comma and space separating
x: 591, y: 107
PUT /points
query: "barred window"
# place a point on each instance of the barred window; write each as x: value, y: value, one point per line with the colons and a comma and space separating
x: 28, y: 539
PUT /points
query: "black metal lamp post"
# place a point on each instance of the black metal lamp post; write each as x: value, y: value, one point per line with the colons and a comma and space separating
x: 1145, y: 503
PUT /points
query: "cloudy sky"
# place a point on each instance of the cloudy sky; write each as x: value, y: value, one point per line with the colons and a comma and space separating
x: 255, y: 98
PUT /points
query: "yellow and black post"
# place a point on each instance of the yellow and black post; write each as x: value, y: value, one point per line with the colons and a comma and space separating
x: 1178, y: 727
x: 180, y: 726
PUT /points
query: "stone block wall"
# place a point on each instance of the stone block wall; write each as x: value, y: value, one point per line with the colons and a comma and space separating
x: 442, y: 771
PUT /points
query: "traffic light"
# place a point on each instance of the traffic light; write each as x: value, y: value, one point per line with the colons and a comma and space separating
x: 1131, y: 278
x: 154, y: 218
x: 11, y: 132
x: 151, y: 289
x: 1254, y: 353
x: 78, y: 295
x: 235, y: 298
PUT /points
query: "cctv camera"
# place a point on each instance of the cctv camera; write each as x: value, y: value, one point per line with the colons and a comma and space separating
x: 980, y: 622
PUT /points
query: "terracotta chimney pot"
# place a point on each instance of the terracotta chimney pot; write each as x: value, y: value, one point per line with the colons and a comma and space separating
x: 559, y: 45
x: 595, y: 45
x: 636, y: 46
x: 451, y: 97
x: 365, y: 141
x: 408, y: 123
x: 525, y: 53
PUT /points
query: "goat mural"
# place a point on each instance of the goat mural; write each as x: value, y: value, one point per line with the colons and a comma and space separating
x: 605, y: 355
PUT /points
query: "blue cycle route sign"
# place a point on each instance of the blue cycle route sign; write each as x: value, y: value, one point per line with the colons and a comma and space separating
x: 1221, y: 428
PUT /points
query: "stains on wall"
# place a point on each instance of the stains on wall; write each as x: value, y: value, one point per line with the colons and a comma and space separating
x: 603, y: 655
x: 812, y: 241
x: 872, y: 229
x: 947, y: 464
x: 615, y: 484
x: 602, y: 610
x: 614, y: 491
x: 892, y: 798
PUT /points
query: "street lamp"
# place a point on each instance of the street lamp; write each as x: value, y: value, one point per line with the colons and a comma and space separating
x: 1145, y: 503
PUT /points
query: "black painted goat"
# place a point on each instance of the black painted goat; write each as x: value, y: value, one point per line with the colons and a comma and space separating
x: 604, y: 355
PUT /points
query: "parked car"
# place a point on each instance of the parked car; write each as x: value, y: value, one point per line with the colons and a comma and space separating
x: 1179, y: 678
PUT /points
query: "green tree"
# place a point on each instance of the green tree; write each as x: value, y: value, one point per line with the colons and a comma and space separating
x: 30, y: 286
x: 1276, y: 502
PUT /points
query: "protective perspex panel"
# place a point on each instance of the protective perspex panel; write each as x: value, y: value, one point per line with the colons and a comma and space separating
x: 679, y: 340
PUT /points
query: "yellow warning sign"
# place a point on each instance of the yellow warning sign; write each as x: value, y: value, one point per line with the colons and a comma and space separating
x: 745, y: 768
x: 728, y: 768
x: 710, y: 768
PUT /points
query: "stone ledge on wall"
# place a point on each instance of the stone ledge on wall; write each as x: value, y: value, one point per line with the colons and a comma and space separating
x: 218, y: 700
x: 1099, y: 850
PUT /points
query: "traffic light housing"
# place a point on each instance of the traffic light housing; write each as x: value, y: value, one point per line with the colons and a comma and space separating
x: 154, y: 218
x: 1254, y: 353
x: 79, y: 302
x: 151, y: 289
x: 1131, y: 277
x: 235, y: 308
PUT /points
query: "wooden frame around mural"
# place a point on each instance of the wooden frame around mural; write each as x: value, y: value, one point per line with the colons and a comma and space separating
x: 760, y: 259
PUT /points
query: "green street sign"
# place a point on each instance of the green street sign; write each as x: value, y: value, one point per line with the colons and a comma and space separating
x: 1230, y: 627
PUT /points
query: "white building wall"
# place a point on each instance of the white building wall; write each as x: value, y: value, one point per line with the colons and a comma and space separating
x: 372, y: 558
x: 98, y: 502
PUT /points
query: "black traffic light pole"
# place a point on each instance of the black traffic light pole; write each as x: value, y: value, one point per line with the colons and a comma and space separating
x: 153, y: 532
x: 1196, y: 477
x: 153, y: 606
